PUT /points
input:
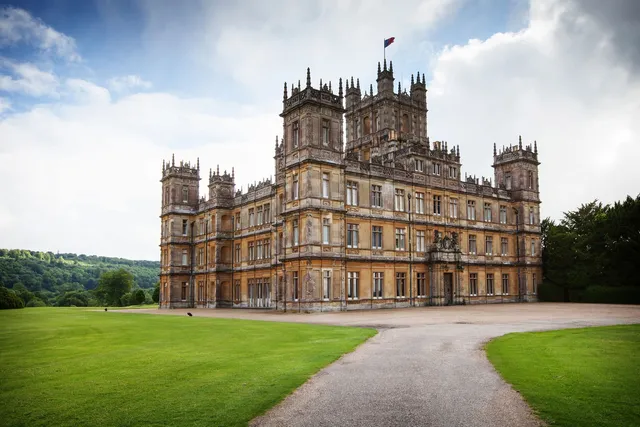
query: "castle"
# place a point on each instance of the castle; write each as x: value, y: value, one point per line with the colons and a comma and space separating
x: 385, y: 220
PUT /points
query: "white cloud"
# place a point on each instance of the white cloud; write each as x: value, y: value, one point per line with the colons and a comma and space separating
x: 127, y: 83
x: 86, y: 92
x: 18, y: 26
x: 27, y: 78
x: 5, y: 105
x: 559, y: 82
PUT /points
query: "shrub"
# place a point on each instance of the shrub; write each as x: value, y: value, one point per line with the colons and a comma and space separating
x: 612, y: 295
x: 550, y: 292
x: 36, y: 302
x: 138, y: 297
x: 9, y: 299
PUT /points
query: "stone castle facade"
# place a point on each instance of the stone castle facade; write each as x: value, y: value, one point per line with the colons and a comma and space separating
x: 386, y: 220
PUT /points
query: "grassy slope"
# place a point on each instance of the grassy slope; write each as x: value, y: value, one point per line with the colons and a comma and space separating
x: 78, y: 367
x: 575, y: 377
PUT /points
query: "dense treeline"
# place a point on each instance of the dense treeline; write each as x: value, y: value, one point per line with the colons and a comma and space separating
x: 45, y: 278
x: 592, y: 254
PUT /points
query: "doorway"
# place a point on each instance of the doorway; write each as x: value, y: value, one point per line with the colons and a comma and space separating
x: 448, y: 288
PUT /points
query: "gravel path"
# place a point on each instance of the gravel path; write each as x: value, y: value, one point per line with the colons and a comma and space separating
x: 426, y: 367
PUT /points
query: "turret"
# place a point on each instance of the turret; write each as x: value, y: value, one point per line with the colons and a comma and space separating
x: 385, y: 78
x: 180, y: 184
x: 516, y: 170
x: 221, y: 188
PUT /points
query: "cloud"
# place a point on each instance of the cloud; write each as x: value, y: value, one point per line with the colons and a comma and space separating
x: 561, y: 81
x: 126, y: 83
x: 5, y: 105
x: 18, y: 26
x: 27, y: 79
x: 87, y: 92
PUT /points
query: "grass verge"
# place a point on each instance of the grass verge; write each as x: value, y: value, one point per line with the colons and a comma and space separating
x: 71, y: 366
x: 575, y: 377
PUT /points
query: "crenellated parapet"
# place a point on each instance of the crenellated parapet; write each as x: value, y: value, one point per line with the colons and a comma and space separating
x: 182, y: 170
x: 299, y: 96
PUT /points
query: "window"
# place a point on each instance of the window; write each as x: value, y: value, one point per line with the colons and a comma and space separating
x: 294, y: 188
x: 422, y: 284
x: 236, y: 291
x: 295, y: 232
x: 437, y: 201
x: 419, y: 241
x: 251, y: 251
x: 267, y: 248
x: 532, y: 217
x: 280, y: 244
x: 503, y: 214
x: 325, y: 132
x: 473, y: 284
x: 326, y: 284
x: 185, y: 194
x: 378, y: 280
x: 238, y: 252
x: 400, y: 239
x: 251, y: 218
x: 376, y: 196
x: 325, y: 185
x: 326, y: 230
x: 238, y: 225
x: 296, y: 134
x: 534, y: 283
x: 487, y: 212
x: 399, y: 200
x: 200, y: 291
x: 166, y: 196
x: 533, y: 247
x: 504, y: 246
x: 184, y: 227
x: 472, y: 244
x: 353, y: 279
x: 295, y: 285
x: 366, y: 124
x: 259, y: 249
x: 267, y: 213
x: 436, y: 168
x: 352, y: 193
x: 471, y: 210
x: 183, y: 294
x: 530, y: 180
x: 505, y: 284
x: 259, y: 215
x: 400, y: 284
x: 453, y: 208
x: 376, y: 237
x: 488, y: 245
x: 420, y: 203
x: 419, y: 165
x: 453, y: 172
x: 352, y: 235
x: 185, y: 260
x: 507, y: 181
x: 489, y: 283
x: 200, y: 256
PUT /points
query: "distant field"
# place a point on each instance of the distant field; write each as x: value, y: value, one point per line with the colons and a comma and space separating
x: 73, y: 366
x: 575, y: 377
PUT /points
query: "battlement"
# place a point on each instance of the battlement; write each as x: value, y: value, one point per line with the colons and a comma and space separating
x: 514, y: 153
x: 323, y: 95
x: 183, y: 170
x: 221, y: 178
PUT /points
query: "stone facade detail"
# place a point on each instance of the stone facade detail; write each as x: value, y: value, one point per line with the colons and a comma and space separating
x: 379, y: 217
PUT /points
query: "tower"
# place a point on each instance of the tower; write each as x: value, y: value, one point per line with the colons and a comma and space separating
x: 180, y: 200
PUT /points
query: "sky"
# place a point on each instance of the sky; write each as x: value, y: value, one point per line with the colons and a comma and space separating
x: 94, y: 94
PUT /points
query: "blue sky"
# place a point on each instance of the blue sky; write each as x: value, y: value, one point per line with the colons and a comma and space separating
x: 94, y: 94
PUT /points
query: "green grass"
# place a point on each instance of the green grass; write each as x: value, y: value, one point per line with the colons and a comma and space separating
x: 73, y: 366
x: 575, y: 377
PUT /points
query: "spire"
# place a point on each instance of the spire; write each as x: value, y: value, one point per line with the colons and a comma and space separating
x: 284, y: 97
x: 352, y: 85
x: 233, y: 172
x: 391, y: 67
x: 330, y: 90
x: 398, y: 87
x: 412, y: 82
x: 535, y: 147
x: 298, y: 84
x: 494, y: 149
x: 276, y: 142
x: 358, y: 84
x: 385, y: 64
x: 520, y: 142
x: 198, y: 163
x: 340, y: 87
x: 423, y: 78
x: 163, y: 165
x: 458, y: 151
x: 173, y: 159
x: 308, y: 77
x: 378, y: 67
x: 210, y: 174
x: 217, y: 169
x: 320, y: 84
x: 371, y: 89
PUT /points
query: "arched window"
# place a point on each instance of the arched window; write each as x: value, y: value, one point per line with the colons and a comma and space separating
x: 530, y: 179
x: 404, y: 125
x: 185, y: 194
x: 366, y: 123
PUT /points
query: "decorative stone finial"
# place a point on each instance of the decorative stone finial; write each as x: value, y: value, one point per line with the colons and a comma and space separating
x: 378, y: 67
x: 495, y: 153
x: 198, y: 163
x: 340, y: 87
x: 391, y: 67
x: 399, y: 90
x: 173, y: 159
x: 308, y: 77
x: 535, y: 147
x: 358, y: 84
x: 217, y: 169
x: 520, y: 142
x: 371, y: 89
x: 284, y: 96
x: 423, y: 79
x: 352, y: 85
x: 320, y: 84
x: 385, y: 64
x: 163, y: 165
x: 210, y: 174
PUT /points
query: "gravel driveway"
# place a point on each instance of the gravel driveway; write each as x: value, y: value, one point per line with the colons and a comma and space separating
x: 426, y: 367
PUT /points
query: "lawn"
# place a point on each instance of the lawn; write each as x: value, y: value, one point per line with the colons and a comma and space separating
x: 575, y: 377
x: 73, y: 366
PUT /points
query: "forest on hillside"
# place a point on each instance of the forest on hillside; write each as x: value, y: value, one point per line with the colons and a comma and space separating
x: 51, y: 276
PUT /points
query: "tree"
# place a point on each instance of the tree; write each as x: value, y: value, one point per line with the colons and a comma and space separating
x: 112, y: 285
x: 138, y: 297
x: 156, y: 292
x: 9, y: 299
